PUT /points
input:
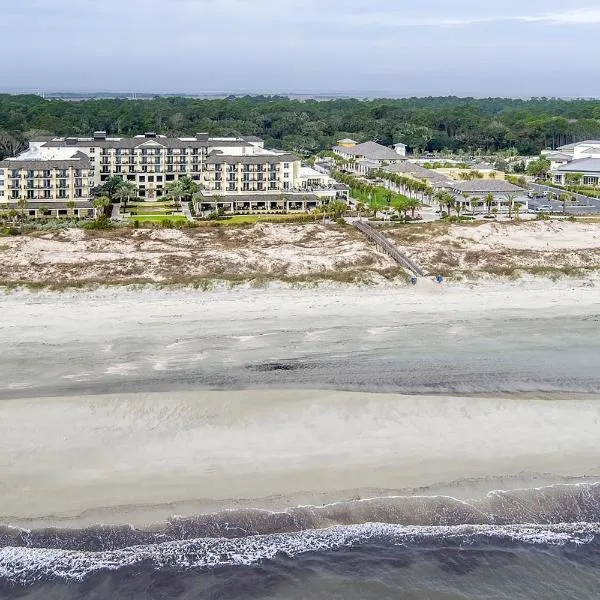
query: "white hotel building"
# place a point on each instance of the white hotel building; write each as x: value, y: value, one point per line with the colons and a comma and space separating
x: 55, y: 172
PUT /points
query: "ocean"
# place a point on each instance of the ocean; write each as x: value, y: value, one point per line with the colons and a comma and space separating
x: 555, y: 554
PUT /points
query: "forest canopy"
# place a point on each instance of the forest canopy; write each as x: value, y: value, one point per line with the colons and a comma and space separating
x: 307, y: 126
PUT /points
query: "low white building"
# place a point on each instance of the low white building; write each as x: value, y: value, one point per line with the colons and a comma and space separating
x: 363, y: 158
x: 579, y: 158
x: 473, y: 195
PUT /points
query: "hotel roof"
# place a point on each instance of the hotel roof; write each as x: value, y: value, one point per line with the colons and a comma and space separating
x: 371, y: 151
x: 486, y: 186
x: 582, y: 165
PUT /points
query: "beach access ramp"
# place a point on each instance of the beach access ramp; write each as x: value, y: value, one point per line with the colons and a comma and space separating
x: 387, y: 246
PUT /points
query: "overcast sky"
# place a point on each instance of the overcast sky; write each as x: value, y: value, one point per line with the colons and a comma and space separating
x: 405, y: 47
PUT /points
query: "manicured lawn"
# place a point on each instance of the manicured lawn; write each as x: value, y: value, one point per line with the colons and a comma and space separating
x: 254, y: 218
x: 142, y: 218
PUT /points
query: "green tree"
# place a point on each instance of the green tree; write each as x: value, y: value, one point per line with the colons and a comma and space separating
x: 125, y: 192
x: 100, y: 204
x: 489, y: 201
x: 22, y: 204
x: 510, y: 201
x: 539, y: 168
x: 71, y: 204
x: 111, y: 186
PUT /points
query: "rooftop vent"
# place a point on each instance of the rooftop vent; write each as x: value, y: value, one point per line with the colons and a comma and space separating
x: 99, y: 135
x: 150, y: 134
x: 201, y: 136
x: 71, y: 141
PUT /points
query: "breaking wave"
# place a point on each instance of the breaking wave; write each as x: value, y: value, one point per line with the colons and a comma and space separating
x: 24, y: 566
x: 560, y: 503
x: 564, y: 515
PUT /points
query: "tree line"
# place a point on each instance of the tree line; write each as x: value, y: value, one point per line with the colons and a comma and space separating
x: 434, y: 124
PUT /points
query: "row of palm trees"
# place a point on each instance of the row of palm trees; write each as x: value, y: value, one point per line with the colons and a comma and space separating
x: 450, y: 202
x: 381, y: 198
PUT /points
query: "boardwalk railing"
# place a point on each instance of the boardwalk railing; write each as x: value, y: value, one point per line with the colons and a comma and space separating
x: 388, y: 247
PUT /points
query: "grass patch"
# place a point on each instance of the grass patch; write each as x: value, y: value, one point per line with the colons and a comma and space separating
x: 251, y: 219
x: 157, y: 218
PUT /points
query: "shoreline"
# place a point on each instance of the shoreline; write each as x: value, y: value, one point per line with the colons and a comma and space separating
x: 143, y: 458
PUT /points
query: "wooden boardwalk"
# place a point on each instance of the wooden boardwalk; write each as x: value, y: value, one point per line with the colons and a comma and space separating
x: 388, y: 247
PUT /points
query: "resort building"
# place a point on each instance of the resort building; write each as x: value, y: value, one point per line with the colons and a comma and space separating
x: 489, y: 195
x: 60, y: 170
x: 59, y: 184
x: 579, y: 161
x: 363, y: 158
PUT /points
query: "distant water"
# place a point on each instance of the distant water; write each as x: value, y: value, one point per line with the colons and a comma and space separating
x: 536, y: 543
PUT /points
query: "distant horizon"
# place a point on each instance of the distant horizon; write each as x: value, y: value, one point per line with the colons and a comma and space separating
x: 348, y: 94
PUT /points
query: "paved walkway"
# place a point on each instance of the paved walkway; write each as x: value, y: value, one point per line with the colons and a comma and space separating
x: 115, y: 214
x: 187, y: 213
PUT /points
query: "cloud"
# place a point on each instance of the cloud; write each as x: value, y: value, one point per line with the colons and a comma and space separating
x: 578, y: 16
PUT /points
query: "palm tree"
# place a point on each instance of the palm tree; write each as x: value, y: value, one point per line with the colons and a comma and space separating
x: 413, y: 204
x: 489, y: 201
x: 125, y: 192
x: 188, y: 186
x: 22, y: 204
x: 100, y: 204
x: 510, y: 198
x: 518, y: 207
x: 71, y: 204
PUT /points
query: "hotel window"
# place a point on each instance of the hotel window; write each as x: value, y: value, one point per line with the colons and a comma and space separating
x: 259, y: 186
x: 218, y: 186
x: 15, y: 173
x: 15, y: 194
x: 246, y: 187
x: 30, y: 194
x: 142, y: 178
x: 62, y: 193
x: 92, y: 150
x: 231, y: 187
x: 30, y: 183
x: 150, y: 178
x: 47, y: 194
x: 47, y: 183
x: 286, y: 165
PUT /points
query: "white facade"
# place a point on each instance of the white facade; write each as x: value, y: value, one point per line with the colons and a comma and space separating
x: 580, y: 160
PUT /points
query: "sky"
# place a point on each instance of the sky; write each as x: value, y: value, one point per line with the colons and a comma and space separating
x: 516, y: 48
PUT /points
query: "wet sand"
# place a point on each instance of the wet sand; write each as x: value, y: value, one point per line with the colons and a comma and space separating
x: 142, y: 458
